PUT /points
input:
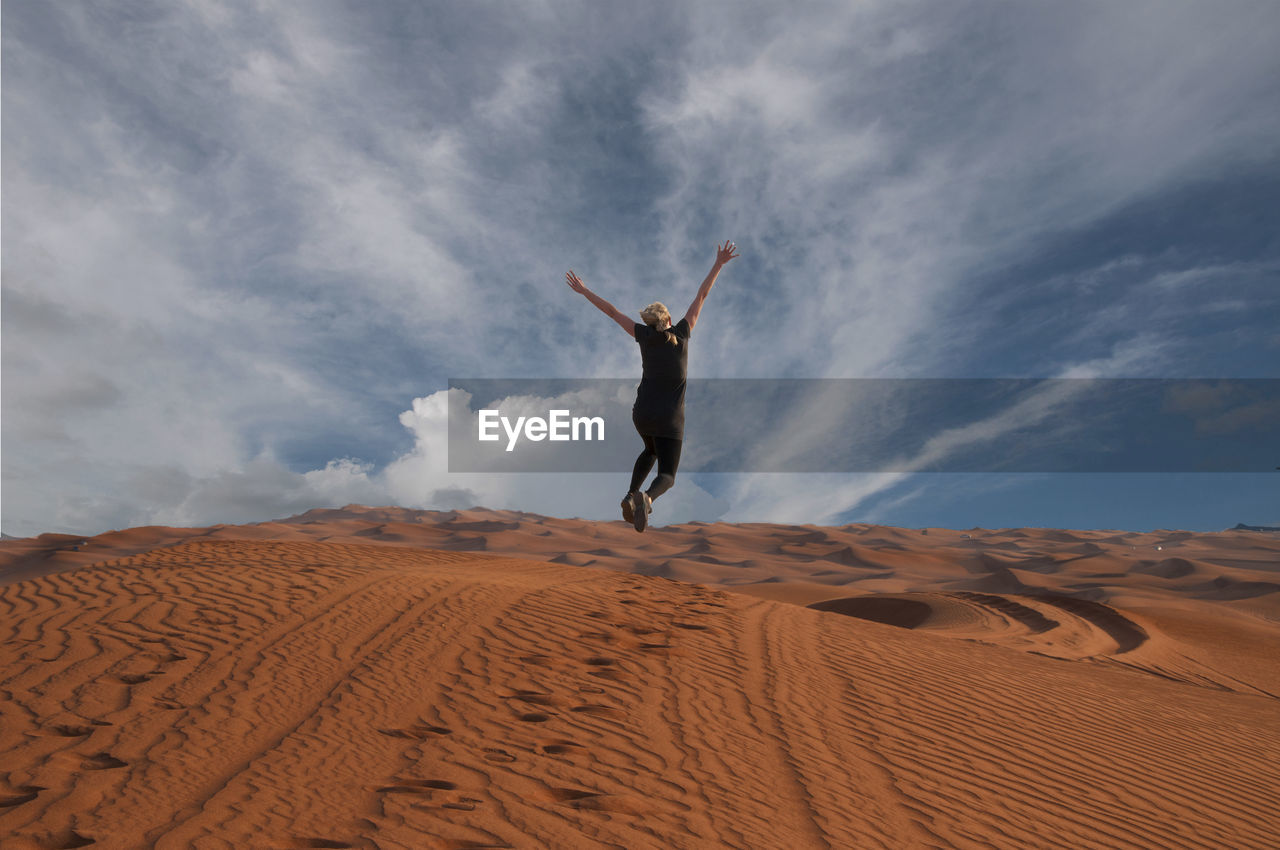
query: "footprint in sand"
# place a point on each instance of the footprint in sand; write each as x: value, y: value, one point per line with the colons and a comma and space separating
x: 599, y: 711
x: 417, y: 732
x: 572, y: 795
x: 24, y: 794
x: 498, y: 755
x: 102, y: 761
x: 417, y: 786
x: 560, y: 747
x: 63, y: 731
x: 578, y: 798
x: 532, y: 697
x: 428, y: 788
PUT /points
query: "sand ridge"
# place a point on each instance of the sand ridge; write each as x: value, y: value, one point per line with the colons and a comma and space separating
x: 1140, y: 600
x: 356, y: 692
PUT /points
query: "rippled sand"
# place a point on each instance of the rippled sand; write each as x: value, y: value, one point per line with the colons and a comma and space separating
x: 387, y: 678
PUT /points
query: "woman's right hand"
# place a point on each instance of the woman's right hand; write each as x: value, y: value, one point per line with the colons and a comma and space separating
x: 574, y: 283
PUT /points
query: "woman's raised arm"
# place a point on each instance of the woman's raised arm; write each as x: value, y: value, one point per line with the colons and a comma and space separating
x: 723, y: 255
x: 605, y: 307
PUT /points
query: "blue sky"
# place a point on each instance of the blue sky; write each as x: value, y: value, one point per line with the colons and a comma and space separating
x: 245, y: 245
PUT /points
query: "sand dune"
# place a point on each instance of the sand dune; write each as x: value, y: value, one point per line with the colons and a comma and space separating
x: 374, y: 677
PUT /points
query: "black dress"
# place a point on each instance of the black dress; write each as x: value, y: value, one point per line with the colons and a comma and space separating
x: 659, y: 407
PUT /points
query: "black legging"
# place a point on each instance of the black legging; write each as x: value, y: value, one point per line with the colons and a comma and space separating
x: 666, y: 451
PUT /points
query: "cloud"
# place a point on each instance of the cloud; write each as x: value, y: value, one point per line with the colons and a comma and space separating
x: 826, y: 498
x: 239, y: 238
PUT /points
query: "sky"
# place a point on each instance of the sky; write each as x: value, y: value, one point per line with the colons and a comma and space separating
x: 247, y: 245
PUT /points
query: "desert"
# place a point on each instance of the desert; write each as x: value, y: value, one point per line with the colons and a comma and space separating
x: 383, y: 677
x: 644, y: 426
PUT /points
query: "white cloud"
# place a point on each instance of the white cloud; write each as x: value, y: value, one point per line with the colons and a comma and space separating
x: 235, y: 230
x: 815, y: 498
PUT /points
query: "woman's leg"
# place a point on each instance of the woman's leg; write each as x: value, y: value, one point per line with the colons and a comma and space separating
x: 644, y: 463
x: 668, y: 452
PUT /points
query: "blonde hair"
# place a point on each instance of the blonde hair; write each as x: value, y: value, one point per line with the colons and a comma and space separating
x: 658, y: 317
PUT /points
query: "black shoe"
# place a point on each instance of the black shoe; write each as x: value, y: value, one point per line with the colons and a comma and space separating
x: 628, y: 512
x: 641, y: 504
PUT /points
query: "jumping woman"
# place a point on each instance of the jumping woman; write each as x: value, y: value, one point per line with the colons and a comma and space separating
x: 658, y: 413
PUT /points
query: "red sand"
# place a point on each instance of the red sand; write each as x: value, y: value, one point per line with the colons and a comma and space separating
x: 377, y: 677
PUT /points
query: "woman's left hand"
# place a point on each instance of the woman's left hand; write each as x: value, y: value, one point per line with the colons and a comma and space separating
x: 574, y: 283
x: 725, y: 254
